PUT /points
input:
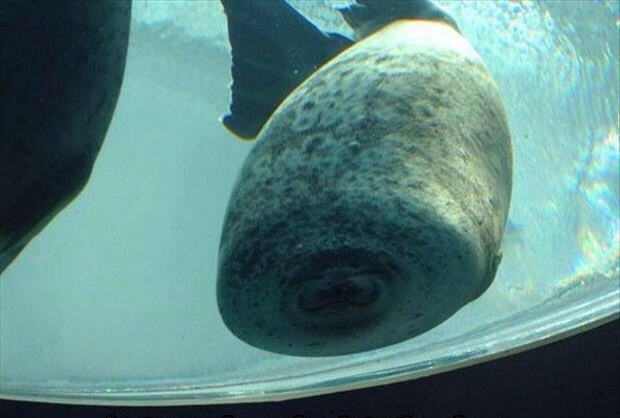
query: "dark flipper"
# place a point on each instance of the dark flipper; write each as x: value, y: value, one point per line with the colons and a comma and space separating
x: 274, y: 49
x: 369, y: 15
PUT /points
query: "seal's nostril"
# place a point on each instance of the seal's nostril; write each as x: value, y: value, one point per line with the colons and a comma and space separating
x: 362, y: 290
x: 314, y: 296
x: 359, y: 290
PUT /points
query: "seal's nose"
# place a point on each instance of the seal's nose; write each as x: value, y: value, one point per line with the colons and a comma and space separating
x: 328, y: 294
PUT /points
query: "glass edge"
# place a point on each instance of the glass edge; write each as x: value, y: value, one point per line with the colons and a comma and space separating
x: 583, y: 317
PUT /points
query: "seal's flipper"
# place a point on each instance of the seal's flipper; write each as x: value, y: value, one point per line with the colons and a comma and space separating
x: 274, y: 49
x: 369, y: 15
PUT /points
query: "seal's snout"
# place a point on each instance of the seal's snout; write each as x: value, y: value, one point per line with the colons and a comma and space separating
x: 340, y: 288
x: 339, y: 291
x: 324, y: 295
x: 343, y: 298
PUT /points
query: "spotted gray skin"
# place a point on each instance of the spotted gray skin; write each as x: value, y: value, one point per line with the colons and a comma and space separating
x: 62, y: 69
x: 372, y: 206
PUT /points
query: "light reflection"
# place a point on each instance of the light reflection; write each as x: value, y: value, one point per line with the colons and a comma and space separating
x: 597, y: 194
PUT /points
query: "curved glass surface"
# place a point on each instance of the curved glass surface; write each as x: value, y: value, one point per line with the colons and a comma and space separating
x: 114, y: 301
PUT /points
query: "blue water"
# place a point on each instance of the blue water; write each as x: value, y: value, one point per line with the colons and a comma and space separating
x: 117, y: 293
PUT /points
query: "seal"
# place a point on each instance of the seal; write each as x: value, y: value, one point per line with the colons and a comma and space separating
x: 62, y: 70
x: 372, y: 205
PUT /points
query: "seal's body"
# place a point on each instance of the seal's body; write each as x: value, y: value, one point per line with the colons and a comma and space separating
x: 62, y: 69
x: 372, y: 206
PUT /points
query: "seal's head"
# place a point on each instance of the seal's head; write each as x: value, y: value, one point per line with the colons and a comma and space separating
x: 342, y: 279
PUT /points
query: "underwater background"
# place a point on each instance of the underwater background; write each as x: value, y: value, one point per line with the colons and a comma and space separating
x: 117, y: 294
